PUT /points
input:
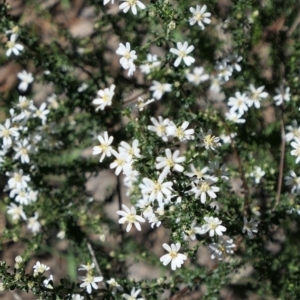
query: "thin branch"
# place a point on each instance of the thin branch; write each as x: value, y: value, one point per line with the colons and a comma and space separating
x: 281, y: 165
x: 179, y: 294
x: 282, y: 148
x: 134, y: 98
x: 120, y: 205
x: 94, y: 258
x: 241, y: 171
x: 294, y: 26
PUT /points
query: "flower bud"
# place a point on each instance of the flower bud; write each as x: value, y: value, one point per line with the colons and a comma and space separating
x: 2, y: 287
x: 18, y: 259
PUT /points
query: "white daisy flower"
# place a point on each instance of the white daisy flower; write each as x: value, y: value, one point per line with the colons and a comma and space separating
x: 129, y: 216
x: 197, y: 76
x: 213, y: 225
x: 104, y: 146
x: 204, y: 188
x: 131, y: 4
x: 256, y: 95
x: 159, y: 89
x: 200, y: 16
x: 221, y: 249
x: 293, y: 180
x: 12, y: 46
x: 157, y: 190
x: 128, y: 57
x: 160, y: 127
x: 26, y: 79
x: 182, y: 51
x: 294, y: 131
x: 182, y: 133
x: 238, y: 103
x: 176, y: 259
x: 258, y: 173
x: 170, y: 162
x: 151, y: 64
x: 282, y: 95
x: 105, y: 97
x: 250, y: 227
x: 133, y: 295
x: 90, y: 282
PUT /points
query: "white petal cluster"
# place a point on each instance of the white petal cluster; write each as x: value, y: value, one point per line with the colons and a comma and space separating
x: 131, y: 4
x: 133, y: 295
x: 258, y: 174
x: 294, y: 181
x: 283, y: 95
x: 171, y: 162
x: 25, y: 80
x: 129, y: 217
x: 114, y: 286
x: 141, y: 103
x: 204, y: 188
x: 176, y: 259
x: 213, y: 226
x: 159, y: 89
x: 152, y: 64
x: 197, y: 76
x: 39, y: 269
x: 90, y: 281
x: 209, y: 141
x: 104, y: 148
x: 104, y: 97
x: 256, y: 95
x: 128, y: 56
x: 200, y: 16
x: 250, y: 227
x: 157, y: 189
x: 182, y: 52
x: 13, y: 47
x: 221, y: 249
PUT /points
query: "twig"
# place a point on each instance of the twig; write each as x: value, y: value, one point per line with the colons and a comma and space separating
x: 281, y: 165
x: 245, y: 186
x: 282, y: 148
x: 178, y: 295
x: 134, y: 98
x: 94, y: 258
x: 294, y: 26
x: 120, y: 205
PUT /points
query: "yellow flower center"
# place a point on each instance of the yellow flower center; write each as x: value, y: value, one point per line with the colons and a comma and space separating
x: 204, y: 187
x: 130, y: 218
x: 89, y: 278
x: 10, y: 44
x: 17, y: 177
x: 127, y: 55
x: 157, y: 187
x: 6, y: 133
x: 209, y: 140
x: 103, y: 147
x: 173, y: 254
x: 120, y: 161
x: 298, y: 151
x: 131, y: 2
x: 296, y: 132
x: 105, y: 98
x: 161, y: 129
x: 182, y: 54
x: 179, y: 133
x: 213, y: 225
x: 170, y: 163
x: 24, y: 151
x: 24, y: 104
x: 199, y: 17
